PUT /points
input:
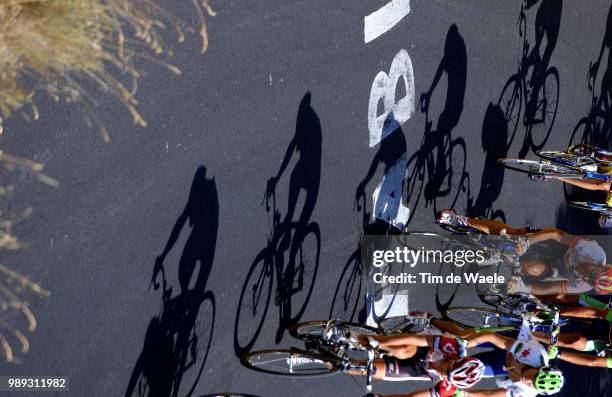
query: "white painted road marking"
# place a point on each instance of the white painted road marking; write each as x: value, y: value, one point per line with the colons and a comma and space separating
x: 380, y: 21
x: 384, y: 88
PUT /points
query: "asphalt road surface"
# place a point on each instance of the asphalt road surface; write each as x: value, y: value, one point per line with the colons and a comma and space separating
x: 289, y: 81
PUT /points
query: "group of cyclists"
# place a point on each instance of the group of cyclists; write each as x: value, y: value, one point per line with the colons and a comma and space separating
x: 520, y: 364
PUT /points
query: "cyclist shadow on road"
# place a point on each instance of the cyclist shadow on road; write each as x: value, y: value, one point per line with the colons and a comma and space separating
x: 494, y: 138
x: 530, y: 96
x: 178, y: 340
x: 596, y: 127
x: 438, y: 168
x: 291, y: 255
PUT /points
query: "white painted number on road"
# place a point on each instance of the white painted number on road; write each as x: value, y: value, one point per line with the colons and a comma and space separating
x: 384, y: 88
x: 379, y: 22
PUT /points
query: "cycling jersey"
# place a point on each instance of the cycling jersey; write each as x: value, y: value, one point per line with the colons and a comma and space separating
x: 528, y: 351
x: 581, y: 252
x: 423, y: 365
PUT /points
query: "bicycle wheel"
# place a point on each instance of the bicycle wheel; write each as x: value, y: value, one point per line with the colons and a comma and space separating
x: 253, y: 303
x: 453, y: 183
x: 348, y: 291
x: 510, y: 102
x: 315, y: 329
x: 546, y: 110
x: 413, y: 184
x: 564, y: 158
x: 290, y: 363
x: 472, y: 317
x: 541, y: 168
x: 590, y: 206
x: 445, y: 293
x: 300, y: 280
x: 200, y: 343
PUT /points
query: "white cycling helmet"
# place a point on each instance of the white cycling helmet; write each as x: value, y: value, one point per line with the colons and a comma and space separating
x: 466, y: 372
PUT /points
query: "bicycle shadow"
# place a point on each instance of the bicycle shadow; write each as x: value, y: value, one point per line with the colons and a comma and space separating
x: 596, y: 127
x: 535, y: 85
x: 494, y: 137
x: 387, y: 196
x: 441, y: 159
x: 178, y: 340
x: 292, y: 253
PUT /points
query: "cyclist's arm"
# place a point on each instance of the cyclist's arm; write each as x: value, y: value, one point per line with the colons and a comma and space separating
x: 586, y: 360
x: 552, y: 233
x: 588, y: 184
x: 500, y: 341
x: 558, y: 287
x: 404, y: 340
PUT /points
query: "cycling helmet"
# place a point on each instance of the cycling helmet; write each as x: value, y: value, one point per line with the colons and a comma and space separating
x: 548, y: 380
x: 605, y: 221
x: 603, y: 281
x: 466, y: 372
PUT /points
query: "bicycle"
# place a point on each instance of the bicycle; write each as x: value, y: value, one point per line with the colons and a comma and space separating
x: 295, y: 276
x: 181, y: 334
x: 556, y: 164
x: 348, y: 292
x: 330, y: 347
x: 500, y: 252
x: 539, y: 96
x: 592, y: 206
x: 594, y: 129
x: 508, y: 314
x: 441, y: 159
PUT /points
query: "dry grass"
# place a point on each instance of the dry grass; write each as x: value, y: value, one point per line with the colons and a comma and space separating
x: 17, y: 320
x: 55, y: 45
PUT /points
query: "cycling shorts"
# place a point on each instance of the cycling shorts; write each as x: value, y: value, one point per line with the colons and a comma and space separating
x: 412, y: 368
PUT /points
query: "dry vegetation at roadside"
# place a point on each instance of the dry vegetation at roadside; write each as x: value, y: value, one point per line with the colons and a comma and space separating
x: 56, y: 47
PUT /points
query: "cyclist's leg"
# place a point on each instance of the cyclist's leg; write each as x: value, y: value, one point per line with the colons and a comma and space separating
x: 488, y: 226
x: 392, y: 368
x: 402, y: 352
x: 586, y: 312
x: 588, y: 184
x: 534, y: 267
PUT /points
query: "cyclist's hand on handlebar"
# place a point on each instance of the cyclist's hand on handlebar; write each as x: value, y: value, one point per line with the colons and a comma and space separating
x: 367, y: 341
